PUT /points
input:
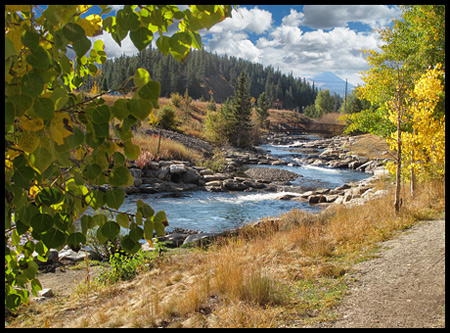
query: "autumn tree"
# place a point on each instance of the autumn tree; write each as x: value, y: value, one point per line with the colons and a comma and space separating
x: 403, y: 59
x: 61, y: 146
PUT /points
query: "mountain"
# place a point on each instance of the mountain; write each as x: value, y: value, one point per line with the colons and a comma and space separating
x: 329, y: 80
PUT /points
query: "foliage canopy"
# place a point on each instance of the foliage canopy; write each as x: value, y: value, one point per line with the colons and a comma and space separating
x: 61, y: 146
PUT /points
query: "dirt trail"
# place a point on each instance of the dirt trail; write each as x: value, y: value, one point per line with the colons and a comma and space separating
x: 403, y: 287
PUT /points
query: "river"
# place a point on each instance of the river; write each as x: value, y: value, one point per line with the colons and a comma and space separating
x: 215, y: 212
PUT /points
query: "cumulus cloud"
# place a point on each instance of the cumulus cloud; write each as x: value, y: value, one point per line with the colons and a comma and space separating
x: 291, y: 47
x: 254, y: 20
x: 327, y: 17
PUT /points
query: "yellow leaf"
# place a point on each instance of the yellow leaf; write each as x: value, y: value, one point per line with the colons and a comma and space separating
x: 34, y: 190
x: 60, y: 127
x: 28, y: 142
x: 16, y: 37
x: 91, y: 24
x: 33, y: 125
x: 18, y: 8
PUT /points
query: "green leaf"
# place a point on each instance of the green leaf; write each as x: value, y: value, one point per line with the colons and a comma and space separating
x: 101, y: 130
x: 76, y: 238
x: 73, y: 32
x: 123, y: 220
x: 136, y: 232
x: 126, y: 19
x: 53, y: 238
x: 87, y: 222
x: 147, y: 211
x: 180, y: 45
x: 76, y: 139
x: 159, y: 221
x: 110, y: 229
x: 23, y: 176
x: 130, y: 245
x: 42, y: 159
x: 21, y: 103
x: 140, y: 108
x: 132, y: 151
x: 163, y: 44
x: 30, y: 39
x: 95, y: 199
x: 35, y: 286
x: 141, y: 38
x: 32, y: 84
x: 44, y: 108
x: 119, y: 176
x: 119, y: 159
x: 151, y: 91
x: 81, y: 46
x: 141, y: 77
x: 41, y: 223
x: 115, y: 197
x: 39, y: 58
x: 92, y: 171
x: 49, y: 196
x: 101, y: 114
x: 148, y: 230
x: 120, y: 109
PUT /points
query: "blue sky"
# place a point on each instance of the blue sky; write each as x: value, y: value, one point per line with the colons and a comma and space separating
x: 302, y: 40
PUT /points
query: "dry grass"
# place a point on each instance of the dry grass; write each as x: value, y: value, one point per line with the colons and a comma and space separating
x: 370, y: 146
x: 168, y: 149
x: 290, y: 272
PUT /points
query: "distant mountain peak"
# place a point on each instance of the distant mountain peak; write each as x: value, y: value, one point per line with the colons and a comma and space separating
x: 329, y: 80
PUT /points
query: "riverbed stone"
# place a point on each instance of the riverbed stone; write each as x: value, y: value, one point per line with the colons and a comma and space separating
x: 177, y: 168
x: 190, y: 176
x: 234, y: 185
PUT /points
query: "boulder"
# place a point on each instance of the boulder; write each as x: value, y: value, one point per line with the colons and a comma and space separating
x: 177, y: 169
x: 197, y: 237
x: 47, y: 293
x: 234, y: 185
x: 190, y: 176
x: 173, y: 240
x: 162, y: 172
x: 314, y: 199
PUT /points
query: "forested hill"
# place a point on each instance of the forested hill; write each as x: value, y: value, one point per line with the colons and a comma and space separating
x: 204, y: 73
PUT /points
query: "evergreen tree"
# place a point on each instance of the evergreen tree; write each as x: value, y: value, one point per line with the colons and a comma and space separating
x: 262, y: 110
x: 241, y: 111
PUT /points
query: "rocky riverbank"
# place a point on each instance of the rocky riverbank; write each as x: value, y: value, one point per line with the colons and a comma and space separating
x: 174, y: 177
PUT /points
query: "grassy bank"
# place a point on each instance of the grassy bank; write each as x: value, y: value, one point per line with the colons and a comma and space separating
x: 287, y: 274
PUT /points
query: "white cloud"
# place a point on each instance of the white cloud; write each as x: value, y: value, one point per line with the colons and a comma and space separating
x: 291, y: 49
x: 327, y: 17
x: 113, y: 49
x: 254, y: 20
x: 293, y: 19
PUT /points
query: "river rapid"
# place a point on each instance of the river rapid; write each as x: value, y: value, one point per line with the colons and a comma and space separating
x: 216, y: 212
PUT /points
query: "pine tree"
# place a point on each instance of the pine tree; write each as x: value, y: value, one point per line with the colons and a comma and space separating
x: 241, y: 111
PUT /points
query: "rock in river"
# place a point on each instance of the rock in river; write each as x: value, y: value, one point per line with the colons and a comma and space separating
x: 271, y: 174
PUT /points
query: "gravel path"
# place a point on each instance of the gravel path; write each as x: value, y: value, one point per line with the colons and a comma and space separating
x: 403, y: 287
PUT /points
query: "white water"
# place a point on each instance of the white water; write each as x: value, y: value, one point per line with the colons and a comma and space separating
x: 215, y: 212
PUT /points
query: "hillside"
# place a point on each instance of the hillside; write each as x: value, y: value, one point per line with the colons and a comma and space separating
x: 205, y: 74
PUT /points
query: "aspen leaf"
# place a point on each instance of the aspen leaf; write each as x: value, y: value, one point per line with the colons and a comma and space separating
x: 28, y: 142
x: 60, y: 127
x: 30, y: 124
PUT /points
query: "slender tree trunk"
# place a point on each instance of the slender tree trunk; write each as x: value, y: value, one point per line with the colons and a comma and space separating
x: 413, y: 176
x: 399, y: 159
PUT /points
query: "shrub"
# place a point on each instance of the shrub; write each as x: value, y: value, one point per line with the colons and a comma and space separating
x: 176, y: 98
x: 167, y: 117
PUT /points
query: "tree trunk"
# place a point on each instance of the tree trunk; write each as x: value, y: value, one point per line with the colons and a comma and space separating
x: 399, y: 163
